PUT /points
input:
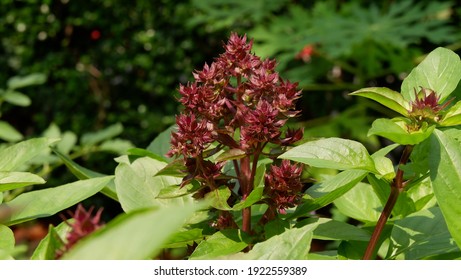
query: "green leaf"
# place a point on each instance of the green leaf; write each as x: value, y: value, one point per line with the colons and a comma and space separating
x: 118, y: 146
x: 67, y: 143
x: 421, y: 194
x: 184, y: 238
x: 385, y: 168
x: 445, y: 173
x: 360, y: 203
x: 175, y: 191
x: 144, y: 153
x: 387, y: 97
x: 351, y: 250
x: 68, y: 139
x: 276, y: 227
x: 221, y: 243
x: 83, y: 173
x: 331, y: 255
x: 79, y: 171
x: 252, y: 198
x: 175, y: 168
x: 6, y: 238
x: 326, y: 192
x: 293, y: 244
x: 231, y: 155
x: 418, y: 195
x: 329, y: 229
x: 257, y: 192
x: 452, y: 116
x: 161, y: 144
x: 16, y: 98
x: 12, y: 180
x: 421, y: 234
x: 218, y: 198
x: 384, y: 165
x: 439, y: 71
x: 384, y: 151
x: 51, y: 243
x: 47, y: 202
x: 9, y: 133
x: 335, y: 153
x: 138, y: 235
x: 14, y: 156
x: 92, y: 138
x: 138, y: 187
x: 396, y: 131
x: 25, y: 81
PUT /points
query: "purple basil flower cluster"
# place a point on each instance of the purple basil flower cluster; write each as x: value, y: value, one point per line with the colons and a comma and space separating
x: 238, y: 103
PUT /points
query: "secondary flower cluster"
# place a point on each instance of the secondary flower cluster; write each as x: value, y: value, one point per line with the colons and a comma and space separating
x: 426, y: 106
x: 84, y: 223
x: 283, y: 185
x: 238, y: 101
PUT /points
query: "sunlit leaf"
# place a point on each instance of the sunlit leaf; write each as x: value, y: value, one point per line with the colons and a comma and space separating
x: 218, y: 198
x: 118, y: 146
x: 175, y: 168
x: 51, y: 243
x: 161, y: 144
x: 14, y: 156
x: 453, y: 116
x: 360, y: 203
x: 385, y: 168
x: 9, y: 133
x: 16, y: 98
x: 25, y: 81
x: 395, y: 131
x: 445, y: 173
x: 421, y: 234
x: 326, y: 192
x: 387, y: 97
x: 92, y: 138
x: 138, y: 235
x: 221, y: 243
x: 439, y: 71
x: 335, y: 153
x: 7, y: 239
x: 47, y: 202
x: 83, y: 173
x: 144, y: 153
x: 293, y: 244
x: 138, y: 187
x: 10, y: 180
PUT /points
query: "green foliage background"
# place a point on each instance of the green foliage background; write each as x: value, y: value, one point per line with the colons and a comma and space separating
x: 116, y: 61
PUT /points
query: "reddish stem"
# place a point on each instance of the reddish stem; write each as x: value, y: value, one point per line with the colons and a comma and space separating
x: 397, y: 187
x: 245, y: 175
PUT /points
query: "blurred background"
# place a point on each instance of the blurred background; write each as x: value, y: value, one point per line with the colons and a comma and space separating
x: 103, y: 75
x: 112, y: 61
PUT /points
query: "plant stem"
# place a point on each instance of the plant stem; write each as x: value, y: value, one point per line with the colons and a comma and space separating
x: 397, y: 187
x: 245, y: 175
x: 381, y: 223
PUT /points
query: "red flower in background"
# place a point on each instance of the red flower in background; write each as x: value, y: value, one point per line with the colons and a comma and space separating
x: 306, y: 53
x: 84, y: 223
